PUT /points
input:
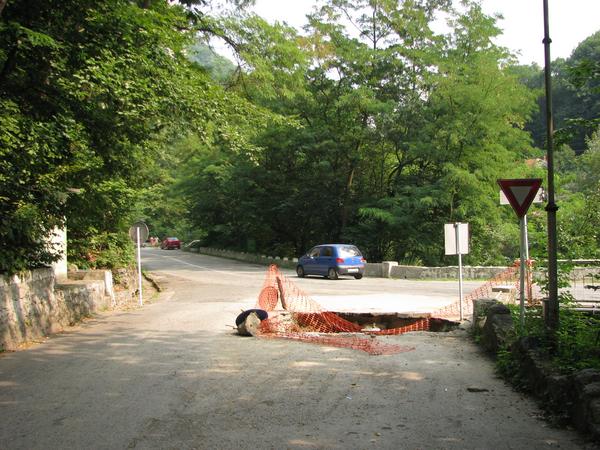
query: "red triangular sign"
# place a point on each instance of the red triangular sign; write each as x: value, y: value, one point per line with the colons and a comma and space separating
x: 520, y: 193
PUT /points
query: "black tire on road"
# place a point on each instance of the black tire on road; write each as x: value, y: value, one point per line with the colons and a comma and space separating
x: 300, y: 272
x: 358, y: 276
x: 332, y: 274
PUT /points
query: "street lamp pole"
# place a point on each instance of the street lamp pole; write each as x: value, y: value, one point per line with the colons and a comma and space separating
x: 551, y: 314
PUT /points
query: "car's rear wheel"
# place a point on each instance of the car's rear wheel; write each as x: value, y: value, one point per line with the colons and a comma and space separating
x: 300, y: 271
x: 358, y: 276
x: 332, y: 274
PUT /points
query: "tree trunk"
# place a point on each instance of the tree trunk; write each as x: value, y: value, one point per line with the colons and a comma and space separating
x: 347, y: 191
x: 2, y: 5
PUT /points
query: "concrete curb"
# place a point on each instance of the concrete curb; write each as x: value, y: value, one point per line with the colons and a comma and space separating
x: 148, y: 276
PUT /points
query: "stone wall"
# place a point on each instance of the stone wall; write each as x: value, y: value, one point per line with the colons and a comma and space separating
x: 36, y: 303
x: 28, y: 308
x: 386, y: 269
x: 449, y: 272
x: 287, y: 263
x: 103, y: 276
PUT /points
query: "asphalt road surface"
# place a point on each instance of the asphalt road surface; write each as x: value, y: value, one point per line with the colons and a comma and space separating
x: 174, y: 375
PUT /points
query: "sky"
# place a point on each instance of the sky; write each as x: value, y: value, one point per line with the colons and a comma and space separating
x: 571, y: 21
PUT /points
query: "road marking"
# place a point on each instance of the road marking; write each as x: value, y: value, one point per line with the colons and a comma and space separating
x: 244, y: 274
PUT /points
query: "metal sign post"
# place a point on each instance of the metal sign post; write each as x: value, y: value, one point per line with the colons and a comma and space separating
x: 460, y: 277
x: 139, y: 233
x: 139, y: 261
x: 523, y: 225
x: 456, y: 236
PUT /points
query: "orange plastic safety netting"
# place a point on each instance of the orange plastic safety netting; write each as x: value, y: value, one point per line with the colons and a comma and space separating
x: 509, y: 279
x: 294, y: 315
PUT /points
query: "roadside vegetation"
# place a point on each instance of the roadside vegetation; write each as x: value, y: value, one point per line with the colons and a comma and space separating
x: 574, y: 346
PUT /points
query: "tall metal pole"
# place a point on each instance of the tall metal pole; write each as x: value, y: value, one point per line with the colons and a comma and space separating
x: 551, y: 315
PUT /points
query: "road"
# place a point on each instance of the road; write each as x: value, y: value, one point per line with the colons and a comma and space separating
x: 172, y: 375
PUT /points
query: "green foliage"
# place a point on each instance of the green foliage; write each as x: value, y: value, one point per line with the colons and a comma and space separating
x: 578, y: 338
x: 26, y: 244
x: 90, y: 94
x: 102, y: 250
x: 575, y: 92
x: 401, y: 131
x: 574, y: 346
x: 378, y: 138
x: 578, y: 184
x: 29, y: 197
x: 219, y: 67
x: 509, y: 367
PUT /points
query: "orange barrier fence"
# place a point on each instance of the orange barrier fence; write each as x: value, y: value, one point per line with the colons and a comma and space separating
x: 294, y: 315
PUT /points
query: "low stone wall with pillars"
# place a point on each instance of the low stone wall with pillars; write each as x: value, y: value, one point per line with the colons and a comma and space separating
x: 385, y: 269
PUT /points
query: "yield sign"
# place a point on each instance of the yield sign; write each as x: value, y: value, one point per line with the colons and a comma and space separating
x: 520, y: 193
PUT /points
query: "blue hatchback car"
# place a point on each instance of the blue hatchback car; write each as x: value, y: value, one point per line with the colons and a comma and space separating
x: 331, y: 261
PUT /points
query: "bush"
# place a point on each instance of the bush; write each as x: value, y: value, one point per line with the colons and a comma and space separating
x: 24, y: 239
x: 102, y: 251
x: 574, y: 347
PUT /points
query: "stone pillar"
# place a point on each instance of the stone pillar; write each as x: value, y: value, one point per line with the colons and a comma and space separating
x: 386, y: 268
x: 498, y: 329
x: 481, y: 307
x: 58, y: 241
x: 109, y: 288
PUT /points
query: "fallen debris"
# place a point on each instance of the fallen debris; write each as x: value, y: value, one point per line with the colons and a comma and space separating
x: 477, y: 389
x: 248, y: 322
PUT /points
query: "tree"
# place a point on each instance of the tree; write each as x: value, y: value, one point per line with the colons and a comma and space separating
x: 89, y: 91
x: 575, y: 91
x: 219, y: 67
x: 400, y: 130
x: 584, y: 75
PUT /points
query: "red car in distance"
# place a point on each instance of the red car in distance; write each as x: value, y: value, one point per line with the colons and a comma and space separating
x: 170, y: 243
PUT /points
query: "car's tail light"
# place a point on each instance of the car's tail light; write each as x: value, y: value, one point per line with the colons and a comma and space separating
x: 339, y: 260
x: 363, y: 260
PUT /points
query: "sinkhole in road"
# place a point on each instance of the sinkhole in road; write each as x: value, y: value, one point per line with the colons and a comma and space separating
x: 386, y: 320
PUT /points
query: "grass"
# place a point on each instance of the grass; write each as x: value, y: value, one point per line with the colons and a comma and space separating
x: 574, y: 346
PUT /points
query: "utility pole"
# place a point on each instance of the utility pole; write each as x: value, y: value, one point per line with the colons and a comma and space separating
x: 551, y: 314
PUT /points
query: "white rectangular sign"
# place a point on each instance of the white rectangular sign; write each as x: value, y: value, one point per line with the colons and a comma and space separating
x: 450, y: 238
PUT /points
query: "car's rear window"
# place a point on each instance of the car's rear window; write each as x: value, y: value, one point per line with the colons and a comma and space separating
x: 348, y: 250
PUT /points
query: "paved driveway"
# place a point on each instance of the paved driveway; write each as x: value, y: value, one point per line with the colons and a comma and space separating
x: 173, y: 375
